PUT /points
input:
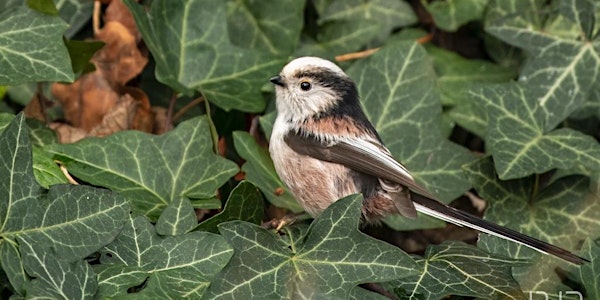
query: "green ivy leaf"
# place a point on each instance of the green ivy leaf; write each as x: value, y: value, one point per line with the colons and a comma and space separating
x: 33, y: 49
x: 589, y: 274
x: 45, y: 170
x: 151, y: 171
x: 73, y: 221
x: 178, y: 218
x: 160, y: 267
x: 455, y: 268
x: 563, y: 65
x: 450, y: 15
x: 455, y: 74
x: 43, y: 6
x: 328, y: 262
x: 269, y: 26
x: 350, y: 25
x: 75, y: 12
x: 192, y: 48
x: 563, y: 213
x: 80, y: 53
x: 398, y: 94
x: 55, y: 278
x: 260, y: 171
x: 245, y: 203
x: 517, y: 139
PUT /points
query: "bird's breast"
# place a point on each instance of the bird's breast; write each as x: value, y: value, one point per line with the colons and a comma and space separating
x: 314, y: 183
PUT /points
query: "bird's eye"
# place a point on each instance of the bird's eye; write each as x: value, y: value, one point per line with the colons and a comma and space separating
x: 305, y: 85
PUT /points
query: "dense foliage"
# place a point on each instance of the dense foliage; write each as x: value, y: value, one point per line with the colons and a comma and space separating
x: 497, y: 97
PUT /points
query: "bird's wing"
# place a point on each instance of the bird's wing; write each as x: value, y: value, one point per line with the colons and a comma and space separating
x: 361, y: 155
x: 372, y: 158
x: 366, y: 157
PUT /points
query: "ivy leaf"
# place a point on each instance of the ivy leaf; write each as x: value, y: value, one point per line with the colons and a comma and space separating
x: 517, y: 139
x: 589, y: 274
x: 455, y: 268
x: 264, y: 266
x: 563, y: 213
x: 562, y: 66
x: 80, y: 53
x: 350, y: 25
x: 151, y: 171
x: 455, y: 74
x: 245, y: 203
x: 260, y: 171
x: 398, y: 94
x: 54, y: 277
x: 269, y: 26
x: 73, y: 221
x: 193, y: 51
x: 450, y: 15
x: 75, y: 12
x: 45, y: 170
x: 33, y: 49
x: 178, y: 218
x: 160, y: 267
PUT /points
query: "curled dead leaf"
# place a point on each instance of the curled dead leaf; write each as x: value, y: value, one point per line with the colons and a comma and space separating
x: 120, y: 60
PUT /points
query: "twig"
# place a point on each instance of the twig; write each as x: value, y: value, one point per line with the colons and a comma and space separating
x: 355, y: 55
x: 169, y: 118
x: 65, y: 172
x: 365, y: 53
x: 187, y: 107
x: 96, y: 17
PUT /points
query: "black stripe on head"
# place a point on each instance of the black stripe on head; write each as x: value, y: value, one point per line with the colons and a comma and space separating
x: 349, y: 106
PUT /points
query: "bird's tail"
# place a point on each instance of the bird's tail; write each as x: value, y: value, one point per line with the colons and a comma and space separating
x: 449, y: 214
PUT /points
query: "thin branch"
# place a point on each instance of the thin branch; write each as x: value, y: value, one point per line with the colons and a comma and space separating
x: 187, y: 107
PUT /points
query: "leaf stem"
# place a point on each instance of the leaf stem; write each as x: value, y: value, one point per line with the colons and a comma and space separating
x: 211, y: 124
x: 536, y: 186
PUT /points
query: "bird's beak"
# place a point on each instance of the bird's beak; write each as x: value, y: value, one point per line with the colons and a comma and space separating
x: 277, y: 80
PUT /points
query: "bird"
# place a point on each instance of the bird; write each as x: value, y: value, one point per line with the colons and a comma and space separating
x: 324, y: 148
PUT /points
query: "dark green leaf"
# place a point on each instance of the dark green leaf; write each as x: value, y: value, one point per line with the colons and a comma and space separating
x: 151, y: 171
x: 178, y: 218
x: 562, y: 67
x: 397, y: 88
x: 75, y: 12
x: 81, y: 52
x: 269, y: 26
x: 455, y: 75
x: 450, y: 15
x: 517, y: 139
x: 43, y: 6
x: 260, y: 171
x: 170, y: 267
x: 589, y: 274
x: 33, y: 47
x: 328, y: 263
x: 191, y: 45
x: 46, y: 171
x: 245, y: 203
x: 350, y: 25
x: 563, y: 213
x: 456, y: 268
x: 55, y: 278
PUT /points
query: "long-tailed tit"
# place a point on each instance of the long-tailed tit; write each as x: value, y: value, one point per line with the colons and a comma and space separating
x: 324, y: 148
